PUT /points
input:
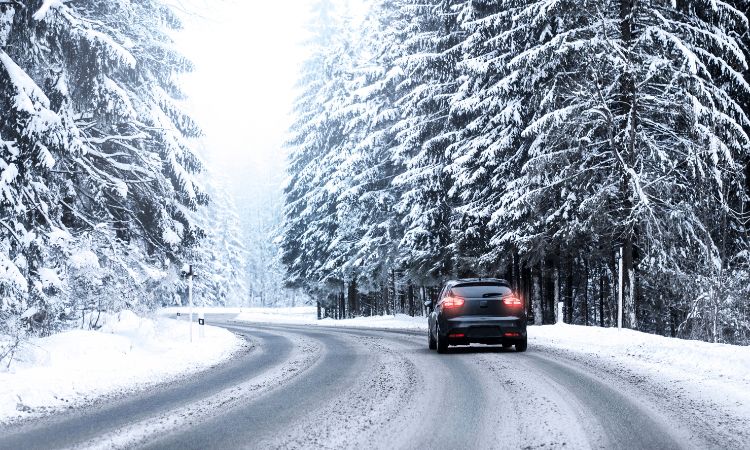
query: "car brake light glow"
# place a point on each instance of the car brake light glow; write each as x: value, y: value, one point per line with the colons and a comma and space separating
x: 456, y: 335
x: 512, y: 300
x: 511, y: 334
x: 452, y: 301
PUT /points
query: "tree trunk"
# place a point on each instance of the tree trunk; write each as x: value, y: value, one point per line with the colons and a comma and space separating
x: 629, y: 107
x: 569, y: 292
x: 537, y: 295
x: 410, y: 295
x: 586, y: 292
x: 672, y: 320
x: 401, y: 297
x: 627, y: 285
x: 524, y: 288
x: 516, y: 280
x: 317, y: 304
x: 601, y: 298
x: 556, y: 294
x: 392, y: 289
x: 352, y: 298
x: 386, y: 297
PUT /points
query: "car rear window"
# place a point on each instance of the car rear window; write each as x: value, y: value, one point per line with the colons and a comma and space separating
x: 480, y: 290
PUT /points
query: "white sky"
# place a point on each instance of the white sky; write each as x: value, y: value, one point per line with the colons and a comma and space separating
x: 247, y: 56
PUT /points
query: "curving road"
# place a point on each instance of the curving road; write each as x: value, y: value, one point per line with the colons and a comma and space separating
x: 315, y: 387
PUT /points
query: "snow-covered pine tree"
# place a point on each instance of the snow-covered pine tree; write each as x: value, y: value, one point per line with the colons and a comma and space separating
x: 543, y: 138
x: 523, y: 59
x: 630, y: 141
x: 220, y: 257
x: 310, y: 221
x: 487, y: 152
x: 30, y: 135
x: 428, y: 58
x: 262, y: 210
x: 365, y: 247
x: 102, y: 163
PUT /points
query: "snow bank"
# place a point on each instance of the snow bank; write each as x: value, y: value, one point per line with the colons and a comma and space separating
x: 718, y: 373
x: 308, y: 316
x: 77, y: 366
x: 662, y: 354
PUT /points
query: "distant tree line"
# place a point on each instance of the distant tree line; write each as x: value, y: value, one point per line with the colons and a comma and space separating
x: 99, y: 199
x: 584, y: 150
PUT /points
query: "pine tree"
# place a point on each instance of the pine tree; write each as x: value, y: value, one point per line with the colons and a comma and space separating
x: 428, y: 58
x: 310, y: 198
x: 621, y: 137
x: 96, y: 158
x: 586, y: 155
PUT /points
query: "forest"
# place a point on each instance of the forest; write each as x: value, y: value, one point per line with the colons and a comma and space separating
x: 103, y: 194
x: 584, y: 150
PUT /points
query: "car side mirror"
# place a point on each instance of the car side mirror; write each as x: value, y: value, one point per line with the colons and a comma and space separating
x: 428, y: 303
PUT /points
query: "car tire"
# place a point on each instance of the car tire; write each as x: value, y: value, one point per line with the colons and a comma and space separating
x: 431, y: 340
x: 521, y: 346
x: 442, y: 343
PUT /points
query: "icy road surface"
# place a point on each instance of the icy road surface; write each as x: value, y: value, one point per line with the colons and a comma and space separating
x: 315, y: 387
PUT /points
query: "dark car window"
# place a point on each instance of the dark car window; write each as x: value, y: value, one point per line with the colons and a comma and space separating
x: 442, y: 294
x: 485, y: 290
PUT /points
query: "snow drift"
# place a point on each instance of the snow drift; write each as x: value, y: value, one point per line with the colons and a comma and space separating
x: 127, y: 352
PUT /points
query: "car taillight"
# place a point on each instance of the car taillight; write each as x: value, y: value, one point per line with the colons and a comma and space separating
x: 453, y: 302
x: 512, y: 300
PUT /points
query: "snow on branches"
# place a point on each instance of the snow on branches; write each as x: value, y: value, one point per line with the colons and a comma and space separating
x: 553, y: 142
x: 99, y: 198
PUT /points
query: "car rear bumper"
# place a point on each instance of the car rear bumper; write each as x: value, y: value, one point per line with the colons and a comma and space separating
x: 485, y: 330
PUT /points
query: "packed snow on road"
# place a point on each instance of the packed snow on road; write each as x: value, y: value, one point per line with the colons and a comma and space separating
x: 707, y: 372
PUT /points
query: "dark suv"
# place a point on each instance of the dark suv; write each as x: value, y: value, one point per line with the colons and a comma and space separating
x: 481, y: 310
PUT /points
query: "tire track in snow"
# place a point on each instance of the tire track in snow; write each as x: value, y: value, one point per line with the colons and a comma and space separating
x: 278, y: 411
x: 353, y: 419
x: 305, y: 354
x: 410, y: 396
x: 364, y: 388
x: 532, y: 412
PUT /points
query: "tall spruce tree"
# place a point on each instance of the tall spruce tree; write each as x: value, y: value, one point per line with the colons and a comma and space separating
x: 428, y: 58
x: 98, y: 169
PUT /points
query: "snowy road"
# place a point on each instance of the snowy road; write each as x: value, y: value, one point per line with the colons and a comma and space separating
x: 343, y: 388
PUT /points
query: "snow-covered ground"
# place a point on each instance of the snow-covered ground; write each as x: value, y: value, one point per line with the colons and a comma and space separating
x: 78, y: 366
x: 706, y: 372
x: 717, y: 374
x: 306, y: 315
x: 172, y: 310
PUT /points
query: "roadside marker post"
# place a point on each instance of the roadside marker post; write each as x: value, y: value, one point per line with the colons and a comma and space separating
x: 201, y: 323
x: 187, y: 271
x: 190, y: 297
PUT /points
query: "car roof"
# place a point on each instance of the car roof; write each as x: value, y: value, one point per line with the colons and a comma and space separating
x: 469, y: 281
